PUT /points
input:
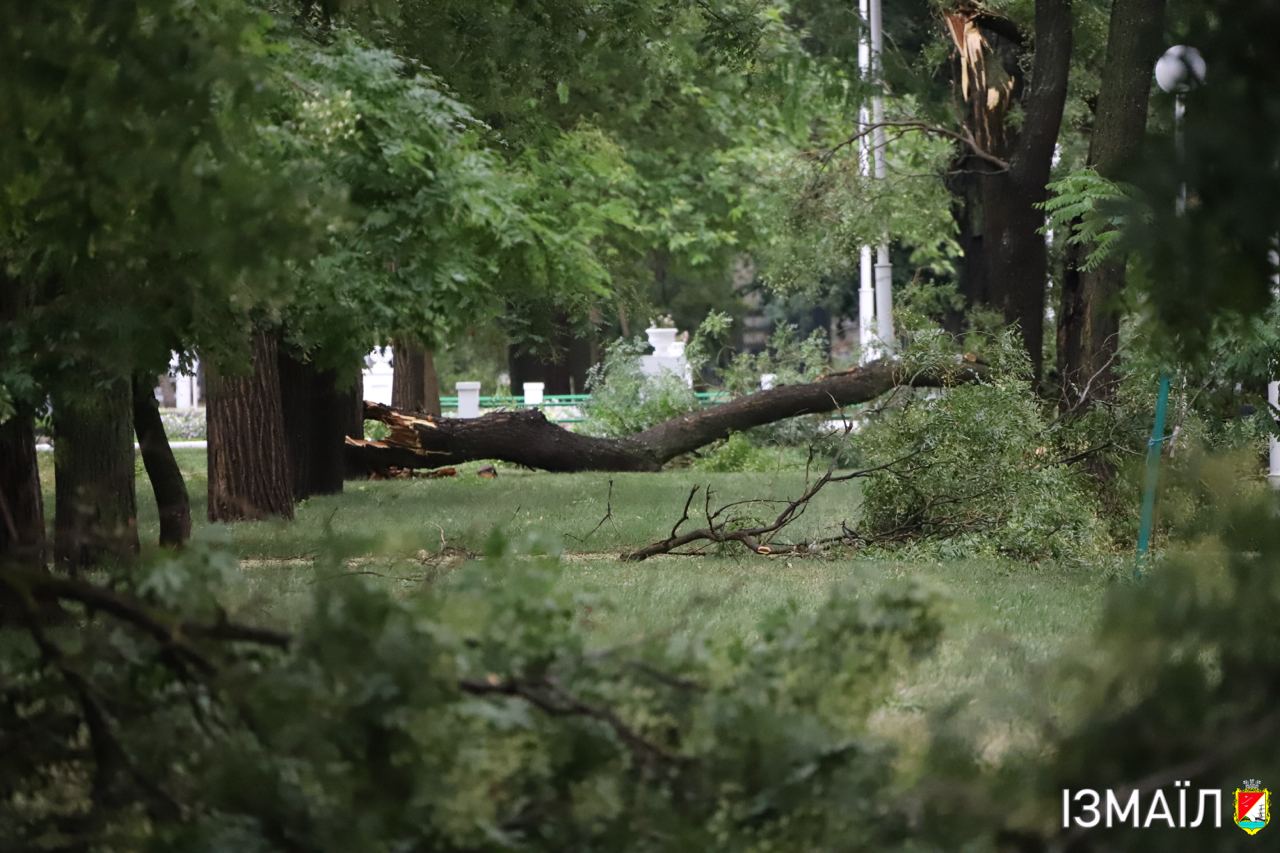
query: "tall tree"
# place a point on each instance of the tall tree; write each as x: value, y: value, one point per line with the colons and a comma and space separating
x: 249, y: 475
x: 22, y: 535
x: 21, y: 502
x: 1089, y: 314
x: 131, y: 204
x: 315, y: 412
x: 415, y: 387
x: 96, y: 516
x: 1006, y: 256
x: 173, y: 505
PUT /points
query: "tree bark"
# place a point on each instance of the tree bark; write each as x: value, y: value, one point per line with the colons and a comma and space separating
x: 21, y: 503
x: 1016, y: 255
x: 249, y: 475
x: 22, y: 536
x: 430, y: 383
x: 408, y: 382
x: 95, y: 507
x: 172, y: 502
x: 1010, y: 272
x: 415, y: 385
x: 1089, y: 316
x: 316, y: 419
x: 527, y: 438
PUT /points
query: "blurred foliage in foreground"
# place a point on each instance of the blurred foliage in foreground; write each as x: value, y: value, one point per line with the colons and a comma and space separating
x: 476, y: 720
x: 149, y: 717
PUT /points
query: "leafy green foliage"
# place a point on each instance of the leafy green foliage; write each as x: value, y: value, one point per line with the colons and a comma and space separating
x: 624, y: 400
x: 983, y: 476
x: 1088, y: 209
x: 1214, y: 264
x: 475, y: 719
x: 1177, y: 682
x: 134, y: 212
x: 440, y: 232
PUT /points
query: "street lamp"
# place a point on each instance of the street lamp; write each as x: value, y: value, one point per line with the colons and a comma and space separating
x: 866, y: 291
x: 1178, y: 71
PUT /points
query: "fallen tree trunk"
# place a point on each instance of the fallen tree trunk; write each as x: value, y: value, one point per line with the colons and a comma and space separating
x: 527, y: 438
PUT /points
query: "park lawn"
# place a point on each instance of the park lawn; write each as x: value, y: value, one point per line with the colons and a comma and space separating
x: 1003, y: 622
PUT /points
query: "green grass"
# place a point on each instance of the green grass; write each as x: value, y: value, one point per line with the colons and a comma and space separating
x: 1003, y: 621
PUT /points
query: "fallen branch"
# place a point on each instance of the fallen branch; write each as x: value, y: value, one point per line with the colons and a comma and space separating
x: 759, y: 538
x: 527, y: 438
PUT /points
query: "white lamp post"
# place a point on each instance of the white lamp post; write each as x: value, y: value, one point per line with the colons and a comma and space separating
x: 1180, y: 69
x: 866, y: 290
x: 884, y: 267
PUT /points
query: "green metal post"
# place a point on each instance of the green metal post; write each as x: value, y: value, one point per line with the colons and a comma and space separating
x: 1153, y: 474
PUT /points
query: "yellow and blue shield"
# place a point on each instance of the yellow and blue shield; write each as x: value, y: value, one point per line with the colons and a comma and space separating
x: 1253, y: 807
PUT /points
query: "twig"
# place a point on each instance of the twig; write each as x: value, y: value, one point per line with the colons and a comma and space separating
x: 43, y: 587
x: 759, y: 537
x: 964, y: 137
x: 544, y: 694
x: 608, y: 516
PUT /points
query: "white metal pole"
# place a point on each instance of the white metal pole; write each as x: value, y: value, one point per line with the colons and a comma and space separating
x: 884, y: 268
x: 866, y: 290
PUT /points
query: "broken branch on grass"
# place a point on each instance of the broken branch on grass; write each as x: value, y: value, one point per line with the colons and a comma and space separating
x: 608, y: 516
x: 755, y: 537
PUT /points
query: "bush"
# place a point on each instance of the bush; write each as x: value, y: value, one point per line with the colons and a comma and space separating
x: 1179, y: 682
x: 473, y: 720
x: 625, y: 401
x: 983, y: 475
x: 184, y: 424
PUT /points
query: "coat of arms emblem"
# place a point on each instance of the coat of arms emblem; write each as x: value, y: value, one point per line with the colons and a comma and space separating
x: 1253, y: 806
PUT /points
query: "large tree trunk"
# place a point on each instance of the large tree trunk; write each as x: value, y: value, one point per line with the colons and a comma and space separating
x: 1016, y: 255
x: 172, y: 501
x: 1089, y: 317
x: 316, y: 419
x: 527, y: 438
x: 415, y: 386
x: 1011, y: 272
x: 407, y: 376
x: 96, y: 515
x: 21, y: 503
x: 249, y: 474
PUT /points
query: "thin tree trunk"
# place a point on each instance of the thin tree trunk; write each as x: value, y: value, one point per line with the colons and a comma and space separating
x: 527, y: 438
x: 1089, y: 319
x: 21, y: 503
x: 352, y: 420
x: 408, y: 378
x: 172, y: 502
x: 249, y: 475
x: 22, y: 536
x: 430, y: 383
x: 315, y: 423
x: 96, y: 516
